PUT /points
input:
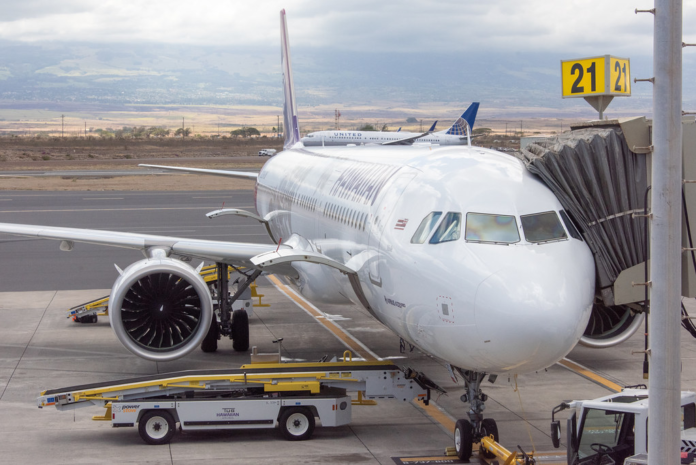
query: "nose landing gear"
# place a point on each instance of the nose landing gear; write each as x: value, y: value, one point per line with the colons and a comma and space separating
x: 471, y: 431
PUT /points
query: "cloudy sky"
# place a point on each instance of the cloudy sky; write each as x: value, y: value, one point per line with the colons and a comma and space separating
x: 571, y: 26
x: 536, y: 29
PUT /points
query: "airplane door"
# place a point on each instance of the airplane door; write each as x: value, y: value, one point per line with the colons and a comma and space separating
x: 381, y: 216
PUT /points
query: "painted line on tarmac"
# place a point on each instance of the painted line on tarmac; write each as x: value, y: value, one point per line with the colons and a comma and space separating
x: 357, y: 347
x: 113, y: 209
x: 102, y: 198
x: 589, y: 375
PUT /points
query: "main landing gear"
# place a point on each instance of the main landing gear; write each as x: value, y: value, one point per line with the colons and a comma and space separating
x: 227, y: 321
x: 468, y: 432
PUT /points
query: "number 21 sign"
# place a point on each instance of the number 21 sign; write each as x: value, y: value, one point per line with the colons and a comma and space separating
x: 595, y: 76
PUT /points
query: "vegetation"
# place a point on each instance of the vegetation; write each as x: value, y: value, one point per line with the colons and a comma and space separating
x: 367, y: 127
x: 184, y: 132
x: 245, y: 132
x: 482, y: 131
x: 411, y: 120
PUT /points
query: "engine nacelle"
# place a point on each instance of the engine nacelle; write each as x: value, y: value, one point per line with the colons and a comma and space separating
x: 609, y: 326
x: 160, y: 309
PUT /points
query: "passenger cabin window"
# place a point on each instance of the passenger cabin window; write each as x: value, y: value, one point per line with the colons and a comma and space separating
x: 543, y: 227
x: 500, y: 229
x: 425, y: 228
x: 450, y: 229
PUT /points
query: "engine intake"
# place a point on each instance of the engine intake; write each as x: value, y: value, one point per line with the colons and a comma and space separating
x: 609, y: 326
x: 160, y: 309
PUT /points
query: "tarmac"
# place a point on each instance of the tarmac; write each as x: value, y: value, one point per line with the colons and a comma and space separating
x: 40, y: 348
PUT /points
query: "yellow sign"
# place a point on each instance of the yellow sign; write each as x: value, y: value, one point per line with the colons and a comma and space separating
x: 594, y: 76
x: 620, y: 78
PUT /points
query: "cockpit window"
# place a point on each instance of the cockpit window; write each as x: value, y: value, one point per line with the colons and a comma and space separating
x: 543, y: 227
x: 481, y: 227
x: 425, y: 227
x: 449, y: 230
x: 570, y: 226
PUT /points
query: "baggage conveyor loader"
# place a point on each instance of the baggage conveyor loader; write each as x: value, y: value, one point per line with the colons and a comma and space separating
x: 260, y: 395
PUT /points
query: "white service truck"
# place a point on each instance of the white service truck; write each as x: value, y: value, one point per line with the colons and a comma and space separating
x: 614, y: 429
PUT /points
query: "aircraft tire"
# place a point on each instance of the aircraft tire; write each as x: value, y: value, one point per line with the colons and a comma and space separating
x: 240, y: 331
x: 489, y: 428
x: 464, y: 439
x: 210, y: 341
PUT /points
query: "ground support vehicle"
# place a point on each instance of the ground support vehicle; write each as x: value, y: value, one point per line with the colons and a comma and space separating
x: 259, y: 395
x: 614, y: 429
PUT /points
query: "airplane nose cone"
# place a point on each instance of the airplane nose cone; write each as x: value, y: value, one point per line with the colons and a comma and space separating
x: 529, y: 318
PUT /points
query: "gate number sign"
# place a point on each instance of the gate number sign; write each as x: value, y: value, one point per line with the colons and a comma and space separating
x: 603, y: 75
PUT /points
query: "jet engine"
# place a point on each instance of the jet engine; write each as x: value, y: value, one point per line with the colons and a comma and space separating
x: 609, y: 326
x: 160, y: 309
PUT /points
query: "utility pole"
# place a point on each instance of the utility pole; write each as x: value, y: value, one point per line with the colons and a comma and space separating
x: 506, y: 129
x: 337, y: 116
x: 85, y: 129
x: 521, y: 131
x: 183, y: 123
x: 62, y: 126
x: 218, y: 129
x: 664, y: 436
x: 278, y: 127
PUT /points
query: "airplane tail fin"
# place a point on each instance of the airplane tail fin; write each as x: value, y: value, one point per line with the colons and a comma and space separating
x: 291, y: 126
x: 459, y: 128
x: 432, y: 128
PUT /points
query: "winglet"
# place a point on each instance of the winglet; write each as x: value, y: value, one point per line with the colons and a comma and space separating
x: 291, y: 126
x: 432, y: 128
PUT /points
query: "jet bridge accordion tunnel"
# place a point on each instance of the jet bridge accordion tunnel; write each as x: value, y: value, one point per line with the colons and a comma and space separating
x: 600, y: 172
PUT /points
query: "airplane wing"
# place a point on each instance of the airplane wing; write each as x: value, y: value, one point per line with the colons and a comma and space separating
x: 266, y: 257
x: 405, y: 140
x: 232, y: 174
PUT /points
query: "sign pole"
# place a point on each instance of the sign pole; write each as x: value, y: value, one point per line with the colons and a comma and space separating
x: 664, y: 436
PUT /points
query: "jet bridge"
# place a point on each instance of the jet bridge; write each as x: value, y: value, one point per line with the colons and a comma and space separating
x: 600, y: 172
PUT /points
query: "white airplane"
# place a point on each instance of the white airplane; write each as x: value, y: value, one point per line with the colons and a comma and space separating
x: 459, y: 250
x: 455, y: 135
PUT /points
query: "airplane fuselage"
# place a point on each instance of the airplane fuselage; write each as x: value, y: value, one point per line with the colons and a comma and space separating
x: 343, y: 138
x: 489, y: 306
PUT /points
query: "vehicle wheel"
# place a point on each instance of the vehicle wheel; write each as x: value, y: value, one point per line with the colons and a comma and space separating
x: 464, y: 439
x: 210, y: 341
x: 87, y: 319
x: 156, y: 427
x: 489, y: 428
x: 240, y: 330
x: 297, y: 424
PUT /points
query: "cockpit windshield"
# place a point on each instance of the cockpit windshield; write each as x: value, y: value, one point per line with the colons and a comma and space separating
x: 425, y: 227
x: 543, y: 227
x: 482, y: 227
x: 449, y: 230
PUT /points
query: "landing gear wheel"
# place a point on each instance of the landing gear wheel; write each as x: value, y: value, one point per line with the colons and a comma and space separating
x: 297, y: 424
x: 156, y: 427
x: 210, y: 340
x: 489, y: 428
x: 240, y: 330
x: 464, y: 439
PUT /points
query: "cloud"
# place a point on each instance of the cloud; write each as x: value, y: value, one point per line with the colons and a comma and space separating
x: 587, y: 27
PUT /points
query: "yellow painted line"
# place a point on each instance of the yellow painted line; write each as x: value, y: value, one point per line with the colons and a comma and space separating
x: 418, y: 459
x: 589, y: 375
x: 437, y: 414
x: 357, y: 347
